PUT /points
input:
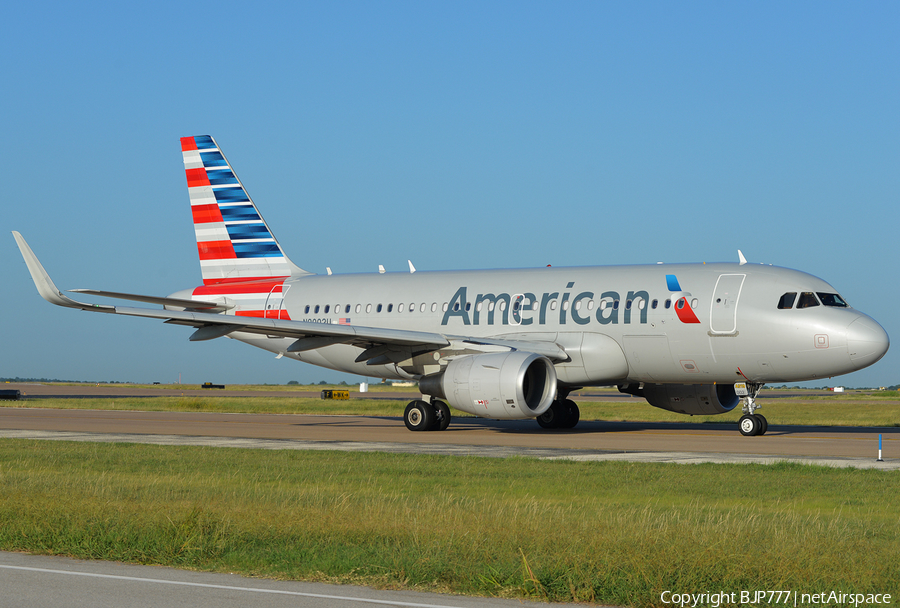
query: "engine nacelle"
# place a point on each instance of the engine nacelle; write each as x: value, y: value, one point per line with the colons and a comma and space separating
x: 503, y: 386
x: 693, y: 399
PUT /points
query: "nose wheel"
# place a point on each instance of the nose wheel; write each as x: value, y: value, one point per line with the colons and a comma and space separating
x: 751, y: 423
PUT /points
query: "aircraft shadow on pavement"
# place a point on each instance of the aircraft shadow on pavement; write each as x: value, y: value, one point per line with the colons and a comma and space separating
x: 604, y: 426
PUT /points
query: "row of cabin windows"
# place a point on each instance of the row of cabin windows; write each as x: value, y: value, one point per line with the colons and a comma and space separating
x: 808, y: 299
x: 604, y: 304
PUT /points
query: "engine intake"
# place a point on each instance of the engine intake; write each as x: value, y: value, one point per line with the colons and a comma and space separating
x: 503, y: 386
x: 693, y: 399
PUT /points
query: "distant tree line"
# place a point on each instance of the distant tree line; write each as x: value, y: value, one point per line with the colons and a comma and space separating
x: 17, y: 379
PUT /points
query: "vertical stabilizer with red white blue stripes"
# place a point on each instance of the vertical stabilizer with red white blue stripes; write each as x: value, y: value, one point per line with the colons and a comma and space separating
x: 233, y: 240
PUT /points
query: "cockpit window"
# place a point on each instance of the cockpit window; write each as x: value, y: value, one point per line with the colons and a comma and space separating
x: 787, y: 300
x: 832, y: 299
x: 807, y: 300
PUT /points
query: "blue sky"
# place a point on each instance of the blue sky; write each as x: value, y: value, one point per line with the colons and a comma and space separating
x: 457, y: 134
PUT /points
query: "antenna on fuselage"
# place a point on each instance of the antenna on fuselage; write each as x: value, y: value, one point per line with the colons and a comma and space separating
x: 380, y: 269
x: 412, y: 268
x: 741, y: 258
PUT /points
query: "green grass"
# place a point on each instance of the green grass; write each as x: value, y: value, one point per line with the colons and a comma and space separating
x: 608, y: 532
x: 854, y: 410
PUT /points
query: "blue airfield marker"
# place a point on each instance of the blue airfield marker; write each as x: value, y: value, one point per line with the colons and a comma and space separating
x: 879, y: 448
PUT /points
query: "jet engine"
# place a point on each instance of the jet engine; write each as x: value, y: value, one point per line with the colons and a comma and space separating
x: 503, y: 386
x: 693, y: 399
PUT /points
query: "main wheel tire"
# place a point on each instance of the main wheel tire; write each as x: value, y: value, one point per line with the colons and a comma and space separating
x: 749, y: 425
x: 419, y: 416
x: 572, y: 414
x: 763, y: 424
x: 443, y: 415
x: 553, y: 417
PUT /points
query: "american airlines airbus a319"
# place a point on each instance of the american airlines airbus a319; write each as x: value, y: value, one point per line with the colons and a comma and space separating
x: 506, y: 344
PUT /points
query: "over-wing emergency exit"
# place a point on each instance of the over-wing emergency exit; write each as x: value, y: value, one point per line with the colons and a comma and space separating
x: 505, y: 344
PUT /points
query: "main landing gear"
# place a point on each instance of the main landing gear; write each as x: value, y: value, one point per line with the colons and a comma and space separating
x: 563, y: 414
x: 424, y: 416
x: 751, y: 423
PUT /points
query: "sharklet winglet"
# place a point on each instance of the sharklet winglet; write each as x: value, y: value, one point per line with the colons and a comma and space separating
x: 44, y: 283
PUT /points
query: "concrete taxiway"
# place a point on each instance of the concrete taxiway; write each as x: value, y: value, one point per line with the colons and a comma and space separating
x: 591, y: 440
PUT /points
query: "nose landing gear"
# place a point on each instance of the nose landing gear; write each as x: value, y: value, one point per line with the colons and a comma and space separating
x: 750, y: 423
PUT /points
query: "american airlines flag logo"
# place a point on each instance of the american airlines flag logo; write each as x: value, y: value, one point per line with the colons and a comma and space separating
x: 682, y: 307
x: 344, y: 321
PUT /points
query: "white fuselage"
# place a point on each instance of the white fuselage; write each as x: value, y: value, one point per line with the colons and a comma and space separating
x: 618, y: 323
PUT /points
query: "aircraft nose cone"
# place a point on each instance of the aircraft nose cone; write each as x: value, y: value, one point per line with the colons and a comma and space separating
x: 867, y: 342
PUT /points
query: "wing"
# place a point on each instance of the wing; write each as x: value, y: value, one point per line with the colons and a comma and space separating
x: 379, y: 345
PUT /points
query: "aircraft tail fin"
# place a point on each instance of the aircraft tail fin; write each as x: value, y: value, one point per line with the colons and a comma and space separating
x: 233, y: 240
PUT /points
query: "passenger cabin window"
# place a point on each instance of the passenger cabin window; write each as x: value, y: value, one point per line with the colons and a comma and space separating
x: 787, y: 300
x: 832, y: 299
x: 807, y: 300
